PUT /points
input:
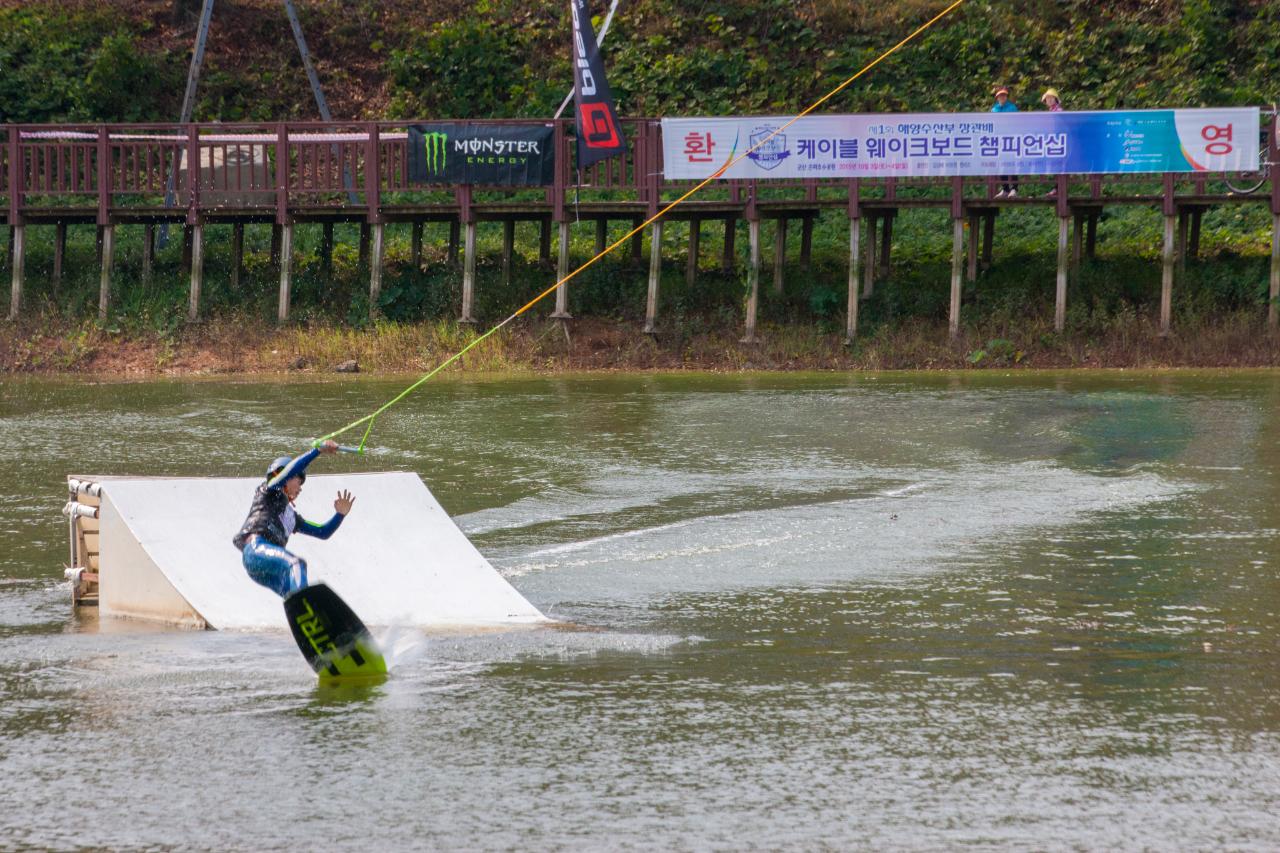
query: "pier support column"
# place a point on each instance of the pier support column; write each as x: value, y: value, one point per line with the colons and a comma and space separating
x: 197, y: 272
x: 869, y: 262
x: 416, y: 245
x: 59, y: 254
x: 364, y: 244
x: 455, y: 229
x: 753, y: 281
x: 1273, y: 310
x: 695, y: 237
x: 972, y: 270
x: 237, y: 255
x: 779, y: 254
x: 544, y: 240
x: 562, y: 270
x: 886, y: 246
x: 375, y: 268
x: 957, y: 273
x: 988, y: 240
x: 277, y: 238
x: 1091, y: 236
x: 104, y: 281
x: 1060, y: 298
x: 1184, y: 227
x: 1193, y: 247
x: 602, y: 234
x: 18, y: 262
x: 508, y: 250
x: 1077, y: 240
x: 286, y: 271
x: 1168, y: 263
x: 855, y: 258
x: 728, y: 257
x: 655, y: 278
x: 468, y: 274
x: 149, y: 255
x: 187, y: 248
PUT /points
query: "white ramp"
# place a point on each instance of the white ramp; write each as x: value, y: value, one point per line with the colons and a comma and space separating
x: 166, y: 554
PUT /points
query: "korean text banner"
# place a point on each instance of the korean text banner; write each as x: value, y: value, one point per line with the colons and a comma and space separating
x: 852, y: 146
x: 507, y: 155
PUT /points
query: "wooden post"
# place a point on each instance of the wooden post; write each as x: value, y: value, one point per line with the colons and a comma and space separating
x: 18, y: 248
x: 973, y: 247
x: 197, y: 272
x: 655, y: 278
x: 1193, y: 247
x: 855, y: 255
x: 806, y: 243
x: 187, y: 248
x: 417, y: 244
x: 562, y: 270
x: 104, y: 283
x: 1184, y: 226
x: 728, y: 258
x: 1168, y: 265
x: 1091, y: 236
x: 957, y: 273
x: 59, y: 255
x: 886, y: 245
x: 869, y: 267
x: 695, y: 237
x: 753, y: 281
x: 637, y: 241
x: 455, y: 228
x: 1060, y: 299
x: 779, y: 253
x: 508, y: 249
x: 1273, y: 310
x: 988, y: 240
x: 375, y: 269
x: 364, y: 244
x: 602, y: 234
x: 237, y: 255
x: 286, y: 270
x: 468, y: 273
x: 544, y: 240
x: 277, y: 238
x: 1077, y: 240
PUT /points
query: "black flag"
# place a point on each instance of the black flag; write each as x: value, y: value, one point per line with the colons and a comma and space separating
x: 599, y: 131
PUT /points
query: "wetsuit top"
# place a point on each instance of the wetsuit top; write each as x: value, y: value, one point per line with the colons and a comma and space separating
x: 272, y: 517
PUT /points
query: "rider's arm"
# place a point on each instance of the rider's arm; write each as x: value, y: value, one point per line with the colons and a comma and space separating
x: 319, y: 531
x: 295, y: 467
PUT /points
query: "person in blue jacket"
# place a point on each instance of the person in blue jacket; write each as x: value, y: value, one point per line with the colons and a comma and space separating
x: 1008, y: 183
x: 272, y: 518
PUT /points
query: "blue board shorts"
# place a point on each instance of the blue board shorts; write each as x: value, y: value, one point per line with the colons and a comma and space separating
x: 274, y: 567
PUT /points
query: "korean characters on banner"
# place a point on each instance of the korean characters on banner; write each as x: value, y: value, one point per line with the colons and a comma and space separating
x: 977, y: 144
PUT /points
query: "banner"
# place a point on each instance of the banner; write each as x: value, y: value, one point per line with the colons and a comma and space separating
x: 599, y: 131
x: 933, y: 144
x: 504, y: 155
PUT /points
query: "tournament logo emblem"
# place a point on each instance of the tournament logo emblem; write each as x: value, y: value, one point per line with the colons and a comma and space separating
x: 769, y: 155
x: 436, y: 151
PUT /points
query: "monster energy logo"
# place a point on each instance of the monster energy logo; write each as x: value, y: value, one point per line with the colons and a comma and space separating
x: 436, y: 150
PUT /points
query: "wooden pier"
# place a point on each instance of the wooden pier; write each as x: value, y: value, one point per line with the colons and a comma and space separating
x: 283, y: 175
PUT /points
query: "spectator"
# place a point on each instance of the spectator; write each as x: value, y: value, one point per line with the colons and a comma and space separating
x: 1051, y: 100
x: 1008, y: 183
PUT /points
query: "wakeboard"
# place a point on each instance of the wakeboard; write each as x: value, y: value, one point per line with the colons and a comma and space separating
x: 332, y: 638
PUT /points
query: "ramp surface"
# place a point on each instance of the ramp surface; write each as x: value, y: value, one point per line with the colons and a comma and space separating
x: 398, y: 558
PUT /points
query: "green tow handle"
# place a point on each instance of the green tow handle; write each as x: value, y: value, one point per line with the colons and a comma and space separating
x: 342, y: 448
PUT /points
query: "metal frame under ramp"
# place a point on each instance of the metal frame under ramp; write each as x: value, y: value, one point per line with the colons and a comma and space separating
x: 160, y: 549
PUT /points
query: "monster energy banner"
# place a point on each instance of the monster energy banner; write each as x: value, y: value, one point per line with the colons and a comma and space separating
x: 506, y: 155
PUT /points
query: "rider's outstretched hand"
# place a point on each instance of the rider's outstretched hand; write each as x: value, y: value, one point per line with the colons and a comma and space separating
x: 343, y: 504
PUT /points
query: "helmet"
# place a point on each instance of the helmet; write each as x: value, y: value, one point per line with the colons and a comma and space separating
x: 279, y: 465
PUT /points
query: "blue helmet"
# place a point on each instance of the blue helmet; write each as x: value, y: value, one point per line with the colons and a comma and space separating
x: 279, y: 465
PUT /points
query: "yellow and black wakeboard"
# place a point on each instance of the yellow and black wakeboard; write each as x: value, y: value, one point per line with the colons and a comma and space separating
x: 332, y: 638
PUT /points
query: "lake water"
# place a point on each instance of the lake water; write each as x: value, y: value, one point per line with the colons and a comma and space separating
x: 890, y: 611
